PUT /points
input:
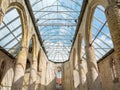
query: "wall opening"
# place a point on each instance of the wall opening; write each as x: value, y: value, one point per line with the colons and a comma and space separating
x: 11, y: 32
x: 59, y: 79
x: 101, y: 38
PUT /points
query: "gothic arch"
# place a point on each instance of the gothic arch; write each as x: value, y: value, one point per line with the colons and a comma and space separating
x: 92, y: 6
x: 23, y: 17
x: 96, y: 29
x: 34, y: 47
x: 34, y: 63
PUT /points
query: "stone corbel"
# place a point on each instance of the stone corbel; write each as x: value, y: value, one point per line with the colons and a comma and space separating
x: 1, y: 15
x: 115, y: 4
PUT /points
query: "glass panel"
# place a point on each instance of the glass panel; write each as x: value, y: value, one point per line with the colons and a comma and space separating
x: 4, y: 32
x: 11, y: 32
x: 100, y: 33
x: 17, y: 32
x: 6, y: 40
x: 9, y: 16
x: 57, y: 20
x: 14, y: 24
x: 14, y: 42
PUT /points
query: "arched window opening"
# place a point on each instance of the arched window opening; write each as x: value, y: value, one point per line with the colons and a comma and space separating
x: 11, y: 32
x: 30, y: 57
x: 101, y: 38
x: 59, y: 79
x: 27, y: 66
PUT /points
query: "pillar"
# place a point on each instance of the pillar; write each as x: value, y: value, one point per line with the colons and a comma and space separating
x: 82, y: 72
x: 71, y: 75
x: 43, y: 74
x: 20, y: 69
x: 76, y: 76
x: 33, y: 74
x: 83, y: 79
x: 113, y: 18
x: 92, y: 75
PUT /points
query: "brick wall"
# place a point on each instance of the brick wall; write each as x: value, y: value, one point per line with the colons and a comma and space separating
x: 106, y: 73
x: 6, y: 71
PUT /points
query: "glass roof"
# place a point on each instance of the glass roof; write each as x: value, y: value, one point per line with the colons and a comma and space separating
x: 57, y: 21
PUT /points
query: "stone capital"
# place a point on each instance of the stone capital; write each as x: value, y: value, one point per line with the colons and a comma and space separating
x: 24, y: 48
x: 113, y: 5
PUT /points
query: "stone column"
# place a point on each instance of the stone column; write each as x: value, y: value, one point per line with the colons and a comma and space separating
x: 33, y: 74
x: 20, y: 69
x: 71, y: 74
x: 83, y: 78
x: 113, y: 18
x: 92, y: 76
x: 82, y: 74
x: 43, y: 74
x: 76, y: 76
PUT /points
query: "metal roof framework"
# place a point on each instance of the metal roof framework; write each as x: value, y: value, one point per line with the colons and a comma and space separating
x: 56, y: 21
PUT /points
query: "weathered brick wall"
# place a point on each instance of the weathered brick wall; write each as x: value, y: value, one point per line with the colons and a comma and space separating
x: 6, y: 71
x: 50, y: 76
x: 26, y: 81
x: 71, y: 80
x: 106, y: 74
x: 45, y: 76
x: 67, y: 76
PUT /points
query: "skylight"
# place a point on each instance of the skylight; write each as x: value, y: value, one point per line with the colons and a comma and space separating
x: 57, y: 21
